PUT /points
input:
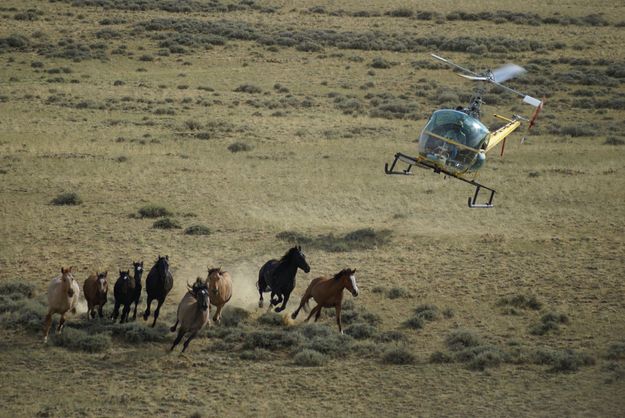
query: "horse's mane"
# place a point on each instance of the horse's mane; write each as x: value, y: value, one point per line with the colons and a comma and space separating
x: 288, y: 254
x: 341, y: 273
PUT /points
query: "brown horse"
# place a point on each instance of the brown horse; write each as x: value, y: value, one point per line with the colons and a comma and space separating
x: 328, y: 292
x: 63, y: 294
x: 96, y: 288
x: 219, y: 290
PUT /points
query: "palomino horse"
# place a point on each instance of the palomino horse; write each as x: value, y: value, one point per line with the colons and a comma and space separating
x: 124, y: 292
x: 95, y: 289
x: 157, y: 285
x: 193, y: 313
x: 138, y: 266
x: 219, y: 290
x: 278, y: 276
x: 328, y: 292
x: 63, y: 294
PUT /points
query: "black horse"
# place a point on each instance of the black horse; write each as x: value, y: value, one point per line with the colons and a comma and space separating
x: 123, y: 292
x: 157, y: 285
x: 138, y: 266
x: 278, y: 277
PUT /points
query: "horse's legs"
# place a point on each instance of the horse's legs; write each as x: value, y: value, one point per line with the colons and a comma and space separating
x: 217, y: 317
x: 61, y: 323
x: 173, y: 328
x: 134, y: 315
x: 284, y: 302
x: 46, y: 326
x: 338, y: 316
x: 125, y: 313
x: 146, y: 314
x: 100, y: 313
x: 178, y: 338
x: 186, y: 343
x: 158, y: 309
x: 318, y: 315
x: 261, y: 287
x: 115, y: 311
x: 314, y: 311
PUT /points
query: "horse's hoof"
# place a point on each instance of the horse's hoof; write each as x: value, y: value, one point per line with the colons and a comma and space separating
x: 293, y: 315
x: 172, y: 329
x: 279, y: 309
x: 260, y: 304
x: 45, y: 339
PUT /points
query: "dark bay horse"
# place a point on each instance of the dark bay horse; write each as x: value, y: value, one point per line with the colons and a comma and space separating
x: 278, y: 277
x: 138, y: 266
x: 123, y: 291
x: 157, y: 285
x: 328, y: 292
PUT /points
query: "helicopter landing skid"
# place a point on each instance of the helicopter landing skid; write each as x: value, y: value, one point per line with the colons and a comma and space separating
x: 423, y: 163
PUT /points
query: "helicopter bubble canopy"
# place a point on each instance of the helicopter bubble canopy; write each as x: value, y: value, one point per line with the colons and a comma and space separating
x: 454, y: 140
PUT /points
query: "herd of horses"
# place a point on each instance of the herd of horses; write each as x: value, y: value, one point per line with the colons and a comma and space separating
x: 276, y: 276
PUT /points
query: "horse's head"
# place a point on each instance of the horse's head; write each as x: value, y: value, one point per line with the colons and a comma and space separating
x: 138, y: 266
x: 102, y: 283
x: 299, y: 258
x: 214, y: 276
x: 348, y: 277
x: 199, y: 290
x: 67, y: 277
x: 67, y: 274
x: 124, y: 278
x: 162, y: 264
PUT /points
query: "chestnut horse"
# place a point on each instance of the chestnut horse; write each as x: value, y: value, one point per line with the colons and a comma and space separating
x: 219, y: 290
x: 63, y: 294
x: 328, y: 292
x: 95, y: 288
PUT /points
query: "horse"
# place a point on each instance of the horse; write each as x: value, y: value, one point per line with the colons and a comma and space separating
x: 63, y: 292
x: 95, y: 289
x: 138, y: 266
x: 193, y: 313
x: 123, y: 291
x: 157, y: 285
x: 328, y: 292
x: 278, y: 276
x: 219, y: 290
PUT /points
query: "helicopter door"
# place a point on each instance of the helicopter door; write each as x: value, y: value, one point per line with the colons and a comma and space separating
x: 452, y: 140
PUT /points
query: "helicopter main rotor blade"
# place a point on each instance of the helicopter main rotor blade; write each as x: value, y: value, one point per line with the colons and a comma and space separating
x: 448, y: 62
x: 507, y: 72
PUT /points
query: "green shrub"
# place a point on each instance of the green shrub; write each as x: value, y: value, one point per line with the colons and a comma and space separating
x: 134, y: 332
x: 271, y: 318
x: 22, y: 313
x: 271, y: 340
x: 427, y: 312
x: 487, y: 358
x: 239, y: 146
x: 21, y: 288
x: 360, y: 331
x: 197, y: 230
x: 616, y: 351
x: 440, y: 357
x: 399, y: 355
x: 335, y: 345
x: 397, y: 292
x: 309, y: 358
x: 233, y: 316
x: 391, y: 336
x: 69, y: 198
x: 77, y: 340
x: 379, y: 62
x: 256, y: 354
x: 521, y: 301
x: 566, y: 360
x: 312, y: 330
x: 166, y: 223
x: 415, y: 322
x: 612, y: 140
x: 248, y: 88
x: 460, y: 339
x: 154, y: 211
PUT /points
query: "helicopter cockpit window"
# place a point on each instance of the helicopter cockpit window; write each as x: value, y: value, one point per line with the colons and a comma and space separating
x: 444, y: 131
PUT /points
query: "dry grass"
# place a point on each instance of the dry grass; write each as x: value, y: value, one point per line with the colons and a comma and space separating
x: 555, y: 236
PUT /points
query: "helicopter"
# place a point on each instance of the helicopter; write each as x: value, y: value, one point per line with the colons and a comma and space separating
x: 454, y: 142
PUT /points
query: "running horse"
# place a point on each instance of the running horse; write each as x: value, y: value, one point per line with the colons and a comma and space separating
x: 328, y: 292
x: 278, y: 277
